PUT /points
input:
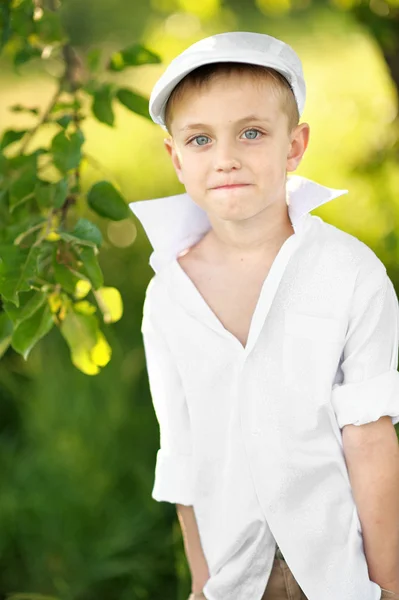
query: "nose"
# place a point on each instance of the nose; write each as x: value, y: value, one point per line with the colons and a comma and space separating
x: 226, y: 157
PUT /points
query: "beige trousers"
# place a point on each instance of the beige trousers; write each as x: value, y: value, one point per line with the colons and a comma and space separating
x: 282, y: 585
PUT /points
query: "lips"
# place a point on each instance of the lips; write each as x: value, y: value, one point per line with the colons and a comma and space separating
x: 232, y: 185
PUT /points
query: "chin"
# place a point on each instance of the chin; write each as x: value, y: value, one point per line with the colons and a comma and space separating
x: 237, y: 213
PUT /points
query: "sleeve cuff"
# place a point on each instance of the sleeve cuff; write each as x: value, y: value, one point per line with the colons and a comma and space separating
x: 367, y: 401
x: 174, y: 479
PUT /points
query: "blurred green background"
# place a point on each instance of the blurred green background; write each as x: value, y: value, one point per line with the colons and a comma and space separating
x: 77, y: 453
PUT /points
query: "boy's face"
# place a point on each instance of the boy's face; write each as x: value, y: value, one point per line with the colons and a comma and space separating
x: 226, y: 149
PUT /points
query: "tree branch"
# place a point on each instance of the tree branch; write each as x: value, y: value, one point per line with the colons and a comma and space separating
x: 44, y: 119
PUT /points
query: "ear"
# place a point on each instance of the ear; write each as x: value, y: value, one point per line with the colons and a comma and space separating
x: 171, y: 150
x: 299, y: 143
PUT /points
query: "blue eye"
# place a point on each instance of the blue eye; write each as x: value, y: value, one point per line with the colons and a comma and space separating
x: 252, y: 131
x: 199, y: 137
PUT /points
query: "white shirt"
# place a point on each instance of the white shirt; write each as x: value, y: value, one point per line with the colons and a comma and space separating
x: 251, y: 437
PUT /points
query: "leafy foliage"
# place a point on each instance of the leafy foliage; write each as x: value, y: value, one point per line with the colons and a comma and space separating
x: 50, y: 274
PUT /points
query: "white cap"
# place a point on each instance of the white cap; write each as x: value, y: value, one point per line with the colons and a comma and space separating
x: 233, y: 46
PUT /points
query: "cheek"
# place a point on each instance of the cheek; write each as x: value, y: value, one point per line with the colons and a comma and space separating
x: 194, y: 167
x: 260, y: 158
x: 271, y: 164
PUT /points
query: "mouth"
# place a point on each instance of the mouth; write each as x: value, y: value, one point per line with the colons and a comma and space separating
x: 229, y: 187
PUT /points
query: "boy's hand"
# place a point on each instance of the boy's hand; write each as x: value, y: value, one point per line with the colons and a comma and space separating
x: 196, y: 596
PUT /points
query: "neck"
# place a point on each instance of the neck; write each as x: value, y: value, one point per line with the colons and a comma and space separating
x: 252, y: 238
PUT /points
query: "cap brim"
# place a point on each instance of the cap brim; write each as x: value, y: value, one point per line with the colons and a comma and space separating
x: 161, y: 92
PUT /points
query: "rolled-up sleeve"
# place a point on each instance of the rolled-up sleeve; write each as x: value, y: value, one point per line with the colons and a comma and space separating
x: 370, y: 386
x: 173, y: 470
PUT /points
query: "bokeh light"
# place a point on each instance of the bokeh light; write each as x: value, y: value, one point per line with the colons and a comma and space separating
x: 121, y: 233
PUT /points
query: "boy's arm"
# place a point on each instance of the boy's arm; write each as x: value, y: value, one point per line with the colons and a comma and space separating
x: 174, y: 469
x: 372, y: 457
x: 193, y: 548
x: 366, y: 405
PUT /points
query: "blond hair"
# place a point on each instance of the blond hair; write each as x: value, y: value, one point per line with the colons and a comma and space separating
x: 206, y: 73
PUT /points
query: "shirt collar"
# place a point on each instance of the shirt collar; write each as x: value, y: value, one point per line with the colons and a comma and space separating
x: 173, y: 223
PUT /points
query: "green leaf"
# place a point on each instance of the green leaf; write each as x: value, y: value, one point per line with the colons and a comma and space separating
x: 23, y: 164
x: 21, y: 173
x: 30, y: 302
x: 91, y: 267
x: 74, y: 106
x: 65, y: 277
x: 107, y: 202
x: 18, y: 108
x: 86, y: 230
x: 49, y: 28
x: 46, y: 250
x: 5, y: 21
x: 132, y: 56
x: 60, y: 192
x: 6, y: 329
x: 31, y: 330
x: 17, y: 227
x: 133, y: 102
x: 76, y: 324
x: 49, y: 194
x: 17, y: 267
x: 43, y: 191
x: 10, y: 136
x: 22, y: 18
x: 22, y: 189
x: 93, y: 58
x: 64, y: 121
x: 24, y: 161
x: 25, y: 54
x: 102, y: 105
x: 66, y: 150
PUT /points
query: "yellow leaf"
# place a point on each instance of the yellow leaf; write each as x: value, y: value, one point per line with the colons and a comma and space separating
x: 85, y: 307
x: 101, y: 353
x: 117, y: 59
x: 110, y: 303
x: 53, y: 236
x: 82, y: 360
x: 62, y: 313
x: 51, y: 228
x: 55, y: 302
x: 82, y: 288
x: 82, y: 335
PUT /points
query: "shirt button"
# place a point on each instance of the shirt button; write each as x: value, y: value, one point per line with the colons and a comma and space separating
x: 255, y: 432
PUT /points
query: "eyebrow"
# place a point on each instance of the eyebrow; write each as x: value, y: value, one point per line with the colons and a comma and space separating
x: 254, y: 118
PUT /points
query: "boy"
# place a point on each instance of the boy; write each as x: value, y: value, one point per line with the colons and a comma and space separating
x: 271, y: 341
